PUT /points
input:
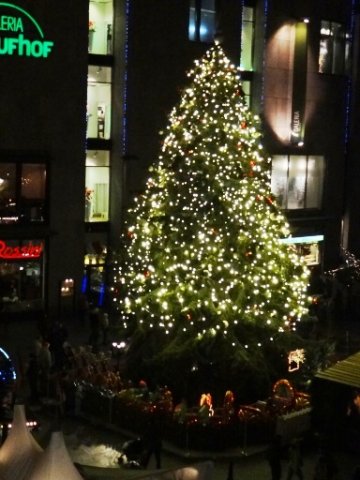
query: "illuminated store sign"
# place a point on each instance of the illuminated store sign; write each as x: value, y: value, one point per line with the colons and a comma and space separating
x: 14, y: 22
x: 25, y: 252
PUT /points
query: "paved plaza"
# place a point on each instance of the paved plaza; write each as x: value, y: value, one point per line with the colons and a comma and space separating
x: 18, y: 338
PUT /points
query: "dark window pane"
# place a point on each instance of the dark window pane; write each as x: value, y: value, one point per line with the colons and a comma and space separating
x: 33, y: 191
x: 7, y: 191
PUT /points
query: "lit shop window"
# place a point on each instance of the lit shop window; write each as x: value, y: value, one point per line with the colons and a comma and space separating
x: 21, y: 275
x: 297, y: 181
x: 202, y: 20
x: 334, y: 48
x: 246, y: 86
x: 247, y: 39
x: 22, y: 192
x: 97, y: 178
x: 100, y: 27
x: 94, y: 279
x: 93, y: 284
x: 98, y: 102
x: 308, y: 247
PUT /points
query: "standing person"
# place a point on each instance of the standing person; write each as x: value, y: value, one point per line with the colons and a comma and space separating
x: 104, y: 326
x: 295, y: 461
x: 153, y: 440
x: 274, y: 455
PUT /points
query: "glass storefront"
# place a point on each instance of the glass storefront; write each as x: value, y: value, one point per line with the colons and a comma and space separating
x: 95, y: 273
x: 21, y: 275
x: 101, y: 27
x: 297, y: 181
x: 308, y: 247
x: 97, y: 180
x: 98, y: 102
x: 22, y: 192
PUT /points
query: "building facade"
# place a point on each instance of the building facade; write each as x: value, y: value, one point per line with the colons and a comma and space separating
x: 85, y: 89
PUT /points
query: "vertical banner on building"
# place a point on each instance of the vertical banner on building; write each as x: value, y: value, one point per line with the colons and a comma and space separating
x: 299, y: 84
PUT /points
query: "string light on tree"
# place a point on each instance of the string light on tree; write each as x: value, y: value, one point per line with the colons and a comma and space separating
x: 202, y: 244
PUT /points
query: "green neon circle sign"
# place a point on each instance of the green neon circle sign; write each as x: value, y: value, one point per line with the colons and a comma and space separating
x: 24, y: 12
x: 20, y: 45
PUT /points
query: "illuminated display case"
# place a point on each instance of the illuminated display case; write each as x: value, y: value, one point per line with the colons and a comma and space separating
x: 97, y: 179
x: 98, y: 102
x: 308, y: 247
x: 101, y: 27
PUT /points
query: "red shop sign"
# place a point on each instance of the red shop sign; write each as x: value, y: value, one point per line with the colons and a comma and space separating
x: 24, y: 252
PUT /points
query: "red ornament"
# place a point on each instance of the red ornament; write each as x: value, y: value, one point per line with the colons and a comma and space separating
x: 243, y: 124
x: 146, y: 273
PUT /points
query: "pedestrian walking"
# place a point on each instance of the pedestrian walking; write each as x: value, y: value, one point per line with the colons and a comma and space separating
x: 274, y: 456
x: 295, y: 461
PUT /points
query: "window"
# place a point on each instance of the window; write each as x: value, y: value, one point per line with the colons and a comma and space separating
x: 333, y: 48
x: 21, y: 275
x: 98, y: 102
x: 202, y: 20
x: 297, y: 181
x: 97, y: 177
x: 22, y: 192
x: 101, y: 27
x: 247, y: 38
x: 246, y: 86
x: 308, y: 247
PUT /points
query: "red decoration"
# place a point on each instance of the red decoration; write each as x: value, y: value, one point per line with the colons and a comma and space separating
x: 243, y: 124
x: 15, y: 253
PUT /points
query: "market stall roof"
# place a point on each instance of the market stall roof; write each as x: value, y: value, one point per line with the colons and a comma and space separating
x: 55, y: 463
x: 345, y: 371
x: 20, y: 450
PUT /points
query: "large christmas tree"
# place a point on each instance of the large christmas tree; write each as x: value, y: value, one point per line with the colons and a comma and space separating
x: 205, y: 274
